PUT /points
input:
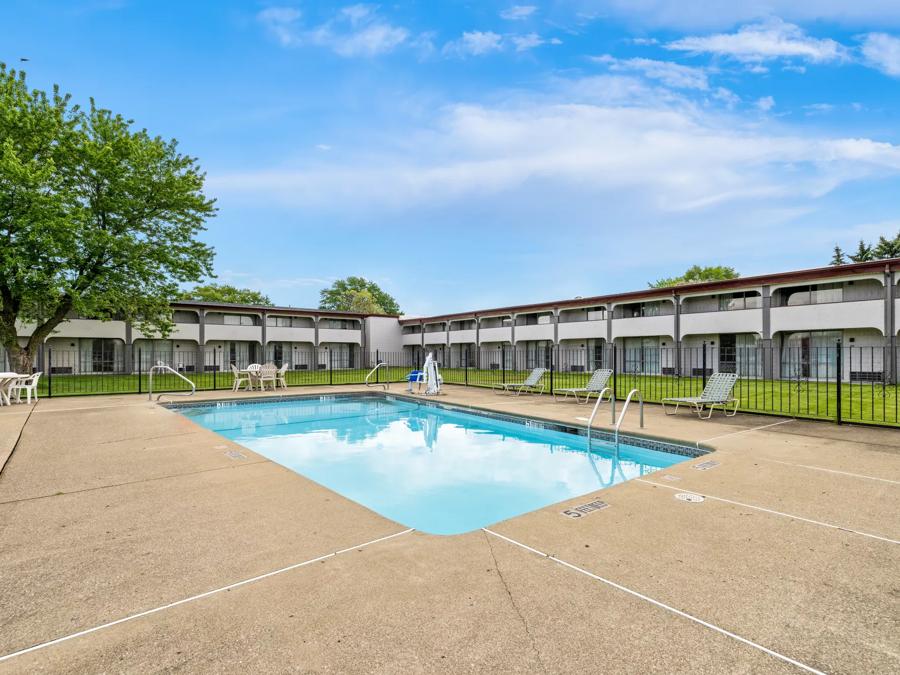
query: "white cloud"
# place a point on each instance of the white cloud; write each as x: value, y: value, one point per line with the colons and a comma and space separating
x: 710, y: 14
x: 355, y: 31
x: 882, y: 51
x: 518, y: 12
x: 758, y: 42
x: 766, y: 103
x: 669, y: 73
x: 531, y: 40
x: 818, y: 108
x: 475, y: 43
x: 669, y: 157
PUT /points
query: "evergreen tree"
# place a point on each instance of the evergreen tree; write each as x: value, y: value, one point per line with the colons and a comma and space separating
x: 863, y: 253
x: 887, y: 248
x: 838, y: 258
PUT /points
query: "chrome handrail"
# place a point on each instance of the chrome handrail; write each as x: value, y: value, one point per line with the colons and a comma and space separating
x: 625, y: 409
x: 386, y: 385
x: 612, y: 406
x: 163, y: 367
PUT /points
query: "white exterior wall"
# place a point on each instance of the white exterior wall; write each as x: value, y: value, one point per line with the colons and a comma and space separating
x: 645, y: 326
x: 411, y: 340
x: 732, y: 321
x: 383, y: 334
x: 233, y: 333
x: 575, y: 330
x: 338, y: 335
x: 181, y: 331
x: 288, y: 334
x: 462, y: 336
x: 829, y: 316
x: 439, y: 338
x: 502, y: 334
x: 543, y: 331
x: 88, y: 328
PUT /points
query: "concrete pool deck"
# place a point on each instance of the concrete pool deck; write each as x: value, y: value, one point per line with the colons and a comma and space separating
x: 113, y: 507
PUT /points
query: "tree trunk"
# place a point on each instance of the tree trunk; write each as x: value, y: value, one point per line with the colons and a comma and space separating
x: 21, y: 359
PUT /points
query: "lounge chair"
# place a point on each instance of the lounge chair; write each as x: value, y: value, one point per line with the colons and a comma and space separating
x: 716, y: 393
x: 595, y: 385
x: 530, y: 385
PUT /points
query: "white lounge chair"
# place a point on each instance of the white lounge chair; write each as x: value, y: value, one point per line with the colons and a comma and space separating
x: 596, y: 385
x: 267, y: 374
x: 28, y: 385
x: 530, y: 385
x: 279, y: 376
x: 240, y: 378
x: 716, y: 393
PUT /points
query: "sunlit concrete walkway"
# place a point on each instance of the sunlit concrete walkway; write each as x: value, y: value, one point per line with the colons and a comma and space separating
x: 114, y: 509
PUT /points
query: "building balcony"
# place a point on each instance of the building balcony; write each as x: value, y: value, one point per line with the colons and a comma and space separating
x: 732, y: 321
x: 436, y: 338
x: 830, y: 316
x: 411, y: 339
x: 502, y: 334
x: 76, y: 328
x: 644, y: 326
x: 462, y: 336
x: 233, y: 333
x: 340, y: 335
x: 542, y: 331
x: 290, y: 334
x: 580, y: 330
x: 181, y: 331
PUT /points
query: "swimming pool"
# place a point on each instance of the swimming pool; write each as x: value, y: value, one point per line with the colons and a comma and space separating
x: 435, y: 468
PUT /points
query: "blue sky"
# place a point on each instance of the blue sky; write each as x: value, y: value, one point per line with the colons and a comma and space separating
x: 475, y: 154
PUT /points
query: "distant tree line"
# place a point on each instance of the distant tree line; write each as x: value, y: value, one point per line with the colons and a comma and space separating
x: 882, y: 250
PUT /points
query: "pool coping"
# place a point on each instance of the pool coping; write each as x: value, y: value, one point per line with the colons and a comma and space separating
x: 646, y: 442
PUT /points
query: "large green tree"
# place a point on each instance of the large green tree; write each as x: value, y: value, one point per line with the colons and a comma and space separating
x: 226, y: 293
x: 97, y: 218
x: 696, y: 274
x: 345, y: 294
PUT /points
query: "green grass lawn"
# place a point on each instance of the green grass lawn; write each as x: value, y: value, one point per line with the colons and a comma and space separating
x: 872, y: 403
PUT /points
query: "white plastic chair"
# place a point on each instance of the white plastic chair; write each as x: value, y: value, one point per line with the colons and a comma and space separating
x: 280, y: 376
x: 267, y: 374
x: 28, y: 385
x: 240, y: 378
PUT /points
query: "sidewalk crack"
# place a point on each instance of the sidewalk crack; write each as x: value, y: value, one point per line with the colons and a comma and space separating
x: 515, y: 607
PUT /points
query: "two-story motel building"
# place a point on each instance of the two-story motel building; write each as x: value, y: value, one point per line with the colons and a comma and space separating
x: 798, y: 311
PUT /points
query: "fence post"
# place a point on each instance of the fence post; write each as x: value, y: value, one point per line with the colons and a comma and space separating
x: 466, y: 367
x: 330, y: 367
x: 615, y: 369
x: 502, y: 363
x: 703, y: 365
x: 49, y: 372
x: 551, y: 367
x: 215, y: 368
x: 377, y: 361
x: 840, y: 375
x: 140, y: 376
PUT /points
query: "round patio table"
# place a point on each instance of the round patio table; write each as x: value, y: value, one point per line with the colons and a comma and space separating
x: 6, y: 379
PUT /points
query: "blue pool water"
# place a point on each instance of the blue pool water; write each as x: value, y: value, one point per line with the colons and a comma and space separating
x: 438, y: 470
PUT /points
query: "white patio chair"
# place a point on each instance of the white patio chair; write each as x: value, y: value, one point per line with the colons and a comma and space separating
x: 253, y: 372
x: 240, y: 378
x: 280, y: 376
x: 28, y: 385
x: 596, y: 385
x: 530, y: 385
x: 267, y: 374
x: 716, y: 393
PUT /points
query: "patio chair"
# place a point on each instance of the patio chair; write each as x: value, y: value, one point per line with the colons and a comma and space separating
x: 596, y: 385
x: 28, y: 385
x: 279, y: 376
x: 267, y: 374
x: 530, y: 385
x: 716, y: 393
x: 240, y: 378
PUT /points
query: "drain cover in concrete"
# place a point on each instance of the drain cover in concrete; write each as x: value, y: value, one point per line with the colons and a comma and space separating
x: 707, y: 465
x: 236, y: 454
x: 689, y: 497
x: 671, y: 478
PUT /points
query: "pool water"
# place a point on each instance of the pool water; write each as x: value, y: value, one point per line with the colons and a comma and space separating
x: 437, y: 470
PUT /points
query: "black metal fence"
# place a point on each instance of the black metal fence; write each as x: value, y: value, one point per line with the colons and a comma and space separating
x: 839, y: 383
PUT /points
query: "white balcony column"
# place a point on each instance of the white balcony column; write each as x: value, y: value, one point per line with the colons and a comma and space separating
x: 201, y: 339
x: 890, y: 323
x: 677, y: 332
x: 512, y: 329
x: 128, y: 351
x: 316, y: 335
x: 265, y: 342
x: 554, y: 318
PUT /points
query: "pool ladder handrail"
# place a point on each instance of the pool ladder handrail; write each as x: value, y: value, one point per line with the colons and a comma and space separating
x: 162, y: 367
x: 378, y: 365
x: 625, y: 409
x: 612, y: 409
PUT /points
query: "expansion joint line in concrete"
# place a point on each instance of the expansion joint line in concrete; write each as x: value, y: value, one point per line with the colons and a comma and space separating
x: 199, y: 596
x: 772, y: 511
x: 657, y: 603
